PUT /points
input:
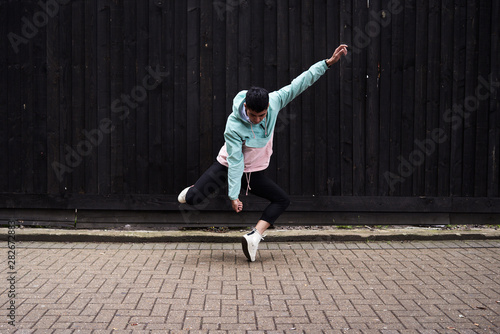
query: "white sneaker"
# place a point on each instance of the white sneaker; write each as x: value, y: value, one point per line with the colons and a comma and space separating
x: 182, y: 196
x: 250, y: 243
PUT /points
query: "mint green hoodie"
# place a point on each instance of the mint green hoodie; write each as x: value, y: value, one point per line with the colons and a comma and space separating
x: 240, y: 131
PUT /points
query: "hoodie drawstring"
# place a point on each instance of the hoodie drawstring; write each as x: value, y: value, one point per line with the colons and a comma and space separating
x: 248, y: 176
x: 251, y: 127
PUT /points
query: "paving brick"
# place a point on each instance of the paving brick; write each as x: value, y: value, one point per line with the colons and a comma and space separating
x: 60, y: 327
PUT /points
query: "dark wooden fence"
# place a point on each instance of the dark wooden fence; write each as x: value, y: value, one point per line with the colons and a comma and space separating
x: 119, y: 105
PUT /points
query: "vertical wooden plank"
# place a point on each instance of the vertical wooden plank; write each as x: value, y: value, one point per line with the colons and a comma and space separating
x: 180, y: 102
x: 168, y: 159
x: 193, y: 90
x: 446, y: 94
x: 140, y: 95
x: 494, y: 106
x: 386, y: 175
x: 359, y: 22
x: 308, y: 106
x: 126, y: 105
x: 459, y: 48
x: 285, y: 118
x: 65, y: 91
x: 407, y: 117
x: 374, y: 29
x: 78, y: 98
x: 482, y: 96
x: 421, y: 72
x: 54, y: 144
x: 295, y: 106
x: 26, y: 110
x: 469, y: 103
x: 218, y: 82
x: 154, y: 98
x: 207, y: 78
x: 268, y: 35
x: 5, y: 12
x: 333, y: 100
x: 15, y: 105
x: 346, y: 107
x: 231, y: 16
x: 257, y: 43
x: 91, y: 122
x: 42, y: 165
x: 14, y: 102
x: 396, y: 158
x: 432, y: 115
x: 103, y: 95
x: 320, y: 95
x: 244, y: 44
x: 116, y: 90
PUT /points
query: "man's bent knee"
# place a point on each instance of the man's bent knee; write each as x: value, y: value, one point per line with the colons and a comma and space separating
x: 285, y: 202
x: 193, y: 197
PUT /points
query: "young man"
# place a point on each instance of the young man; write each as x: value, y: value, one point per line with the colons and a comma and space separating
x: 247, y: 151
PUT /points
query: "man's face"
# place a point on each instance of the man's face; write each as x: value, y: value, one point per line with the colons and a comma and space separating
x: 255, y: 117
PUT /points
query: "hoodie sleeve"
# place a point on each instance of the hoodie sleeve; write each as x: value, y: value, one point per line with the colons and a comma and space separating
x: 236, y: 164
x: 301, y: 83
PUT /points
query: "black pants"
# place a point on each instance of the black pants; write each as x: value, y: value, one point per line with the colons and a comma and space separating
x: 260, y: 185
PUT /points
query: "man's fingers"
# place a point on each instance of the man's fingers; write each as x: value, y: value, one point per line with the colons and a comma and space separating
x: 342, y: 49
x: 238, y: 206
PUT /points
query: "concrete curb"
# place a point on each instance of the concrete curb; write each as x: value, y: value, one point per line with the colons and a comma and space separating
x: 275, y: 235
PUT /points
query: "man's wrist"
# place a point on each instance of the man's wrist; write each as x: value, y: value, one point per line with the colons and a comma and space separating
x: 326, y: 62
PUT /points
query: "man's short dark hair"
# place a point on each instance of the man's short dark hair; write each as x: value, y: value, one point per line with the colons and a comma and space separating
x: 257, y: 99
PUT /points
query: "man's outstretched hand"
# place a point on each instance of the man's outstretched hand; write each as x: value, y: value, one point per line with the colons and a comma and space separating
x: 341, y: 50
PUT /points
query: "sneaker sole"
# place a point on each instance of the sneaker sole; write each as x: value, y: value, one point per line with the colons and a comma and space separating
x: 244, y: 245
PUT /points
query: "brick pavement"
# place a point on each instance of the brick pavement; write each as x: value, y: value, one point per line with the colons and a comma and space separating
x: 318, y: 287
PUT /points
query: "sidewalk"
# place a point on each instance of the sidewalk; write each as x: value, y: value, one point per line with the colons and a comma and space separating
x: 234, y: 236
x: 293, y: 287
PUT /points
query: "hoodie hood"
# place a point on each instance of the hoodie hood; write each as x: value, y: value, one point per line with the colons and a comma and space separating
x: 243, y: 114
x: 239, y: 105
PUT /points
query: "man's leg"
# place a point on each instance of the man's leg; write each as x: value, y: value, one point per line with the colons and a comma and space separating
x: 214, y: 178
x: 262, y: 186
x: 262, y: 226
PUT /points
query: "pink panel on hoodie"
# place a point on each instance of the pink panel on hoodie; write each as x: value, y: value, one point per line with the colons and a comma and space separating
x: 255, y: 158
